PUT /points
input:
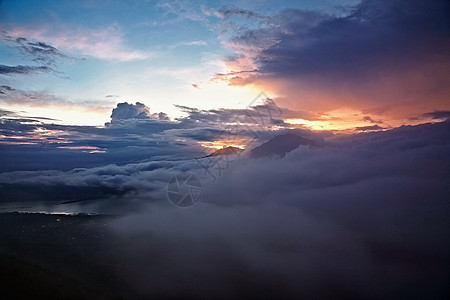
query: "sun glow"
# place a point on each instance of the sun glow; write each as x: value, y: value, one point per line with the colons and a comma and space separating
x: 67, y: 115
x: 336, y: 120
x: 216, y: 145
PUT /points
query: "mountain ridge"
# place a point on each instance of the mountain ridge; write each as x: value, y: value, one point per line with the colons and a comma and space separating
x: 280, y: 145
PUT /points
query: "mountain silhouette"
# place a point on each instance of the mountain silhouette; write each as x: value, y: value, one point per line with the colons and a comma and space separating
x: 226, y: 151
x: 280, y: 145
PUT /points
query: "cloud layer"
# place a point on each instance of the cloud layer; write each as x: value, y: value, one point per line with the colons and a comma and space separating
x: 364, y: 216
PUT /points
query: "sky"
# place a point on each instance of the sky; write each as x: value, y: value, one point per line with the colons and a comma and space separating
x: 385, y: 60
x: 104, y: 103
x: 160, y: 53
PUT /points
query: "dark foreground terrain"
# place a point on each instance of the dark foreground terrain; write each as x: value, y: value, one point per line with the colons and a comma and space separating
x: 56, y: 256
x: 45, y: 256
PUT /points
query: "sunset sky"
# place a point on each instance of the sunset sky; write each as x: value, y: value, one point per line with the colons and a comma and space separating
x: 340, y: 64
x: 340, y: 110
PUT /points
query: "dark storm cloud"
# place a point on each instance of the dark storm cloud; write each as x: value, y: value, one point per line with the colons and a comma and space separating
x: 23, y: 70
x: 381, y: 54
x: 285, y: 23
x: 376, y: 32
